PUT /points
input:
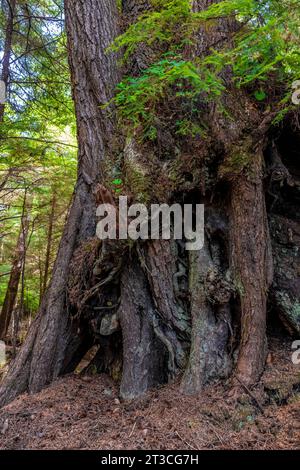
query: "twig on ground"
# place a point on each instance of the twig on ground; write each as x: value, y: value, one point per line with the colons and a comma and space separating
x: 251, y: 395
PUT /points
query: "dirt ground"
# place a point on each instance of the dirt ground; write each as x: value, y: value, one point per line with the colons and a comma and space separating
x: 79, y: 412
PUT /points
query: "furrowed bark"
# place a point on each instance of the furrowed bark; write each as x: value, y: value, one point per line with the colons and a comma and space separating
x: 49, y: 244
x: 15, y: 275
x: 42, y: 354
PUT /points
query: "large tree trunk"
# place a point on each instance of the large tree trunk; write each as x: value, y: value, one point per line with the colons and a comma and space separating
x: 154, y: 309
x: 7, y: 49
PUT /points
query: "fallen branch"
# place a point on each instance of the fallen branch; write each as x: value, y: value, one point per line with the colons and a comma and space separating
x: 251, y: 395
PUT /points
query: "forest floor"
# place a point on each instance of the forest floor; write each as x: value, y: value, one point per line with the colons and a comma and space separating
x: 78, y: 412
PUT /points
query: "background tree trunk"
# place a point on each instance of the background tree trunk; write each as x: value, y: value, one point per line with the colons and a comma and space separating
x: 15, y: 275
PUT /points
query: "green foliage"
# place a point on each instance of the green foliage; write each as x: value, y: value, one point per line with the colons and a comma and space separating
x: 117, y: 185
x: 266, y: 42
